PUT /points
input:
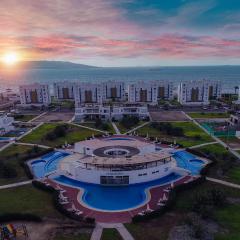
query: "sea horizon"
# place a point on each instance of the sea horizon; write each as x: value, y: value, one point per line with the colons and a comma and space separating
x: 227, y: 74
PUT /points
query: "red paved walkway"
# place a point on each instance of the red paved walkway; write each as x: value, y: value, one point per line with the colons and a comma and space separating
x: 114, y: 217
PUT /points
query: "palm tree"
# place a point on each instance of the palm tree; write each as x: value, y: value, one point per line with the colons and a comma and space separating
x: 236, y: 88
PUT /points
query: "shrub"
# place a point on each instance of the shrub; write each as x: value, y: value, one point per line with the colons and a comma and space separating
x: 205, y: 202
x: 168, y: 129
x: 129, y: 121
x: 57, y: 132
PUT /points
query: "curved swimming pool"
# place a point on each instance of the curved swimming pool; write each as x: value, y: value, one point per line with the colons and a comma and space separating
x: 47, y: 163
x: 115, y: 198
x: 189, y: 162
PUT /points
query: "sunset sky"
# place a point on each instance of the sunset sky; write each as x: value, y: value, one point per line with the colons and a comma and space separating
x: 123, y: 32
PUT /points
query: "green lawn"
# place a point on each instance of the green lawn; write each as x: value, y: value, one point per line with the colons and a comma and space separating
x: 226, y: 167
x: 11, y: 156
x: 231, y: 140
x: 24, y: 118
x: 92, y: 125
x: 193, y: 135
x: 123, y: 129
x: 74, y: 134
x: 208, y: 115
x: 83, y: 236
x: 110, y: 234
x: 229, y: 218
x: 27, y: 199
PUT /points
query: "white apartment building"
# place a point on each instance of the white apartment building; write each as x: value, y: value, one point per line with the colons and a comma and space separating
x: 88, y: 93
x: 215, y: 89
x: 193, y: 93
x: 64, y: 90
x: 92, y: 112
x: 113, y: 91
x: 5, y: 123
x: 35, y: 94
x: 118, y: 112
x: 150, y: 92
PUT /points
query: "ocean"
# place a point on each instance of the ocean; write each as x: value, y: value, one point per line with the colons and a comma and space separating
x: 228, y: 75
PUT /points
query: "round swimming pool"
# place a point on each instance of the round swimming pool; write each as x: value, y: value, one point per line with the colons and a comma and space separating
x: 196, y: 161
x: 115, y: 198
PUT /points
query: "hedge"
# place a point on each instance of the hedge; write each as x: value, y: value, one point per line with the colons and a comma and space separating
x: 170, y: 202
x: 19, y: 217
x: 90, y: 222
x: 204, y: 171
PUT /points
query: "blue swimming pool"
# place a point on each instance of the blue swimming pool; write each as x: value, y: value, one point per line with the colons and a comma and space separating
x: 47, y: 163
x: 120, y: 139
x: 115, y: 198
x: 6, y: 139
x: 189, y: 162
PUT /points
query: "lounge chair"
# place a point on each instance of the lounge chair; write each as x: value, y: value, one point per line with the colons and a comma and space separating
x: 161, y: 204
x: 63, y: 202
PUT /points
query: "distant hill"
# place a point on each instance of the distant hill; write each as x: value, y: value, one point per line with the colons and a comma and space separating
x: 51, y: 65
x: 54, y: 64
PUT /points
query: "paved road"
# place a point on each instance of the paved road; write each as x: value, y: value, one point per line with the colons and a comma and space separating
x: 32, y: 144
x: 203, y: 144
x: 13, y: 185
x: 79, y: 125
x: 233, y: 185
x: 136, y: 128
x: 116, y: 128
x: 42, y: 114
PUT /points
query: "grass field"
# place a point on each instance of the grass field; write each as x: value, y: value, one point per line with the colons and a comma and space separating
x: 24, y: 118
x: 27, y: 199
x: 83, y: 236
x: 227, y: 217
x: 208, y: 115
x: 110, y: 234
x: 226, y: 166
x: 123, y: 129
x: 11, y: 156
x: 92, y: 125
x: 74, y: 134
x: 193, y: 135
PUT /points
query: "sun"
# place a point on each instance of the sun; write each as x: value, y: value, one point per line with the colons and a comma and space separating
x: 10, y: 58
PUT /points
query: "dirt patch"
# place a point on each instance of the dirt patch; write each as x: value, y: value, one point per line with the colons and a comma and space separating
x: 164, y: 116
x: 56, y: 117
x: 48, y: 229
x: 195, y: 228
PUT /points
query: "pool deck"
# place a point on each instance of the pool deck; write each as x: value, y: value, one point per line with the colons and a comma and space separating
x: 114, y: 217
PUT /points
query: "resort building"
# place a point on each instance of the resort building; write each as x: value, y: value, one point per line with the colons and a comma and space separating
x: 6, y: 123
x: 92, y: 112
x: 193, y: 93
x: 88, y: 93
x: 64, y: 90
x: 113, y: 91
x: 118, y: 111
x: 117, y: 161
x: 150, y: 92
x: 35, y: 94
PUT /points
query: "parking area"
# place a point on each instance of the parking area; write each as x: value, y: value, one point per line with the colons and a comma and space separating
x: 165, y: 116
x: 55, y: 117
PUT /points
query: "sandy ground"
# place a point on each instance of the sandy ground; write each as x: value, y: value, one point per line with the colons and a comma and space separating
x: 48, y: 229
x: 55, y: 117
x: 168, y: 116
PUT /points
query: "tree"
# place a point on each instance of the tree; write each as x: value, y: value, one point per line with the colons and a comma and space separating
x: 98, y: 122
